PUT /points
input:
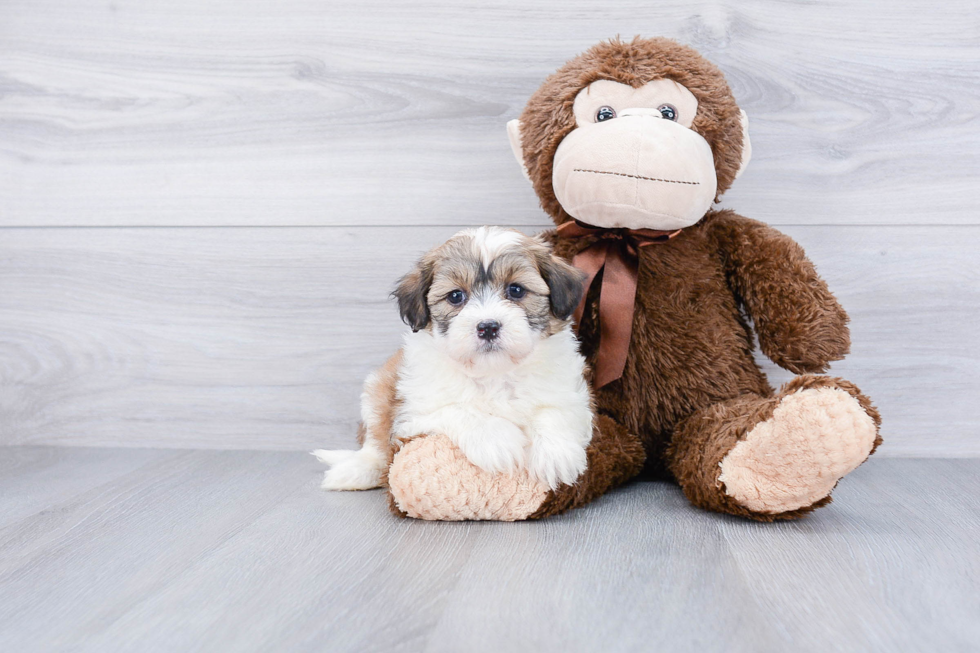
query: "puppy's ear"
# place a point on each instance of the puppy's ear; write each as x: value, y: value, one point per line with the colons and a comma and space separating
x: 411, y: 293
x: 567, y: 283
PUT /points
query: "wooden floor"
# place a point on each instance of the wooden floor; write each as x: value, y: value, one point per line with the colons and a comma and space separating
x: 167, y: 550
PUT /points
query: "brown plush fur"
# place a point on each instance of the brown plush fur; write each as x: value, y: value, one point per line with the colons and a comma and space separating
x: 691, y: 387
x: 691, y: 345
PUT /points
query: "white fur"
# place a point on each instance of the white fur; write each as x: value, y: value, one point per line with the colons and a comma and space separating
x: 502, y: 414
x: 360, y: 469
x: 490, y: 241
x: 352, y: 470
x: 515, y: 342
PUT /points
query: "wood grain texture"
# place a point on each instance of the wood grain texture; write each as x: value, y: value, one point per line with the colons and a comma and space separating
x: 34, y: 478
x: 304, y: 112
x: 259, y: 338
x: 240, y: 551
x: 143, y: 529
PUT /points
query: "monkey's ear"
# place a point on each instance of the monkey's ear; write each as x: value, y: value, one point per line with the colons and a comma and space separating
x: 566, y: 283
x: 746, y: 145
x: 411, y: 294
x: 514, y: 134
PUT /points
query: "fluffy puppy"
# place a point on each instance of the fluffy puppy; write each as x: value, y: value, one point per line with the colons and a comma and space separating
x: 491, y: 362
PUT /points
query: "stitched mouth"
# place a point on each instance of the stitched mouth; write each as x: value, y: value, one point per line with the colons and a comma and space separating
x: 623, y: 174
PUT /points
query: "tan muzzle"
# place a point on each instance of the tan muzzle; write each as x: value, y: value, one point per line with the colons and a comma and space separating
x: 637, y: 171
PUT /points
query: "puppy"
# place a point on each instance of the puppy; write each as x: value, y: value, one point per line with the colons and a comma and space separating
x: 491, y: 362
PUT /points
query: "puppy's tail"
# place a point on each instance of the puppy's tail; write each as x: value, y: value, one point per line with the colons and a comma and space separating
x: 333, y: 457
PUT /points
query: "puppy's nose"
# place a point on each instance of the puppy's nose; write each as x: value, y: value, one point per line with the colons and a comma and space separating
x: 488, y: 330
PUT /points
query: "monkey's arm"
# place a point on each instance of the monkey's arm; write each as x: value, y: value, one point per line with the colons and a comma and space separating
x: 800, y: 325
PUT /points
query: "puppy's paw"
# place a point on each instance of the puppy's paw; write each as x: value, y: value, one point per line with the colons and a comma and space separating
x: 496, y: 446
x: 555, y: 460
x: 350, y: 470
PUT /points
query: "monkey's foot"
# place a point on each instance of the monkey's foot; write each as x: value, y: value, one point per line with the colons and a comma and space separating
x: 430, y: 478
x: 814, y: 437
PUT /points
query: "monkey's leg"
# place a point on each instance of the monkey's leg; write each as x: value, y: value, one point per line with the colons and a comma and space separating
x: 777, y: 457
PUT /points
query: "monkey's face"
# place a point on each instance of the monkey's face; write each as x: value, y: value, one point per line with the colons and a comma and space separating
x: 639, y: 134
x: 633, y: 160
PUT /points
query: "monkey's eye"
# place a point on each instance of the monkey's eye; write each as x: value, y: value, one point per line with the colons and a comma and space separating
x: 516, y: 291
x: 456, y: 297
x: 605, y: 113
x: 667, y: 111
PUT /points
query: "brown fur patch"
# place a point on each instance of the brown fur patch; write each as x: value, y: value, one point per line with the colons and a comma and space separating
x: 383, y: 394
x: 800, y: 325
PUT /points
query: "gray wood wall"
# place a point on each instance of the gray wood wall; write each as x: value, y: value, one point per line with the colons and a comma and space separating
x: 204, y: 204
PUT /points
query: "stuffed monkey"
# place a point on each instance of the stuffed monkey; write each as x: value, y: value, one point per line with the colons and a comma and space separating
x: 628, y: 146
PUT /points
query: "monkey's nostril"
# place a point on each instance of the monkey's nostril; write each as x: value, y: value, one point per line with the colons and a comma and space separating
x: 488, y: 330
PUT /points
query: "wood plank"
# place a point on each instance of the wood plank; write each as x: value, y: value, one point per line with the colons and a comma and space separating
x: 241, y: 551
x: 35, y: 478
x: 575, y: 584
x: 653, y: 573
x: 378, y: 584
x: 260, y: 338
x: 335, y: 572
x: 302, y: 112
x: 889, y: 566
x: 77, y: 567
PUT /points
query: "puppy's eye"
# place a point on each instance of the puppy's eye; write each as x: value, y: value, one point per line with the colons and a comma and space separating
x: 605, y: 113
x: 516, y: 291
x: 456, y: 297
x: 667, y: 111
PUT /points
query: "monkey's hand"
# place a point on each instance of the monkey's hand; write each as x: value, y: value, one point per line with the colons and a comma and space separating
x: 800, y: 325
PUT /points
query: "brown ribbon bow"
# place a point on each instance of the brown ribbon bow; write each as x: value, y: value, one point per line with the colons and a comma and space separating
x: 618, y: 251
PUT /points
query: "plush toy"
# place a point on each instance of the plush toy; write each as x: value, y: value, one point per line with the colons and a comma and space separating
x: 627, y: 147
